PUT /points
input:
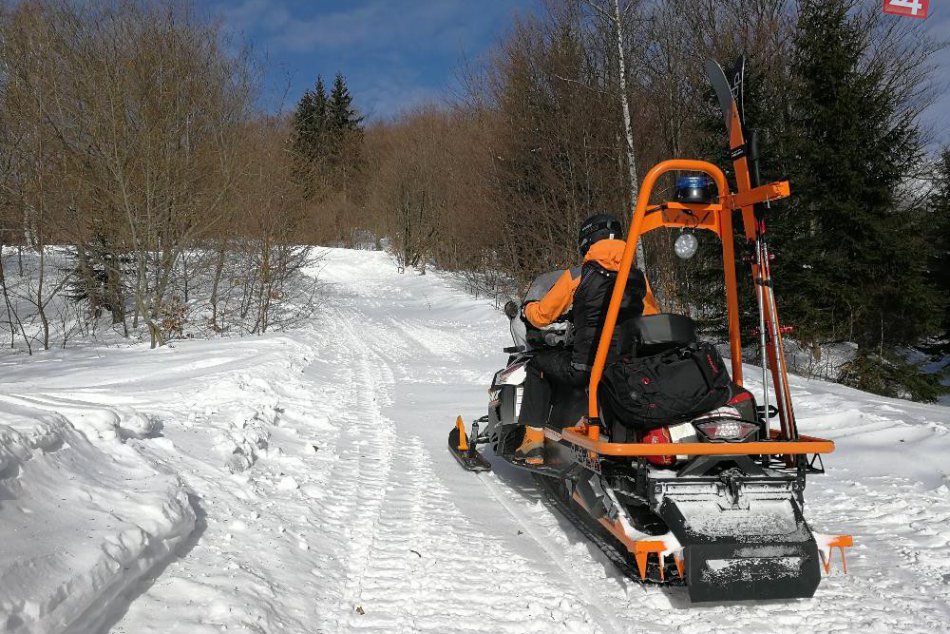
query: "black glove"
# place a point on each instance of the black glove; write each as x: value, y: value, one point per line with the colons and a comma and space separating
x: 524, y: 317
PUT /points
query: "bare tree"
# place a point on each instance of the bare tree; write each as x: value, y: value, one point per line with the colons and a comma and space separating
x: 272, y: 211
x: 413, y: 166
x: 144, y: 108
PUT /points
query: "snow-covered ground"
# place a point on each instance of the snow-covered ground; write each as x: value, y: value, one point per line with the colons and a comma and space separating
x: 300, y: 482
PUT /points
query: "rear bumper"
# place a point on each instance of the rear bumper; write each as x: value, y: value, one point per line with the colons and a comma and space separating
x: 743, y: 539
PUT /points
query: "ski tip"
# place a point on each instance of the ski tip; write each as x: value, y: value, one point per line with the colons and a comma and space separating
x: 460, y: 435
x: 713, y: 67
x: 468, y: 459
x: 720, y: 84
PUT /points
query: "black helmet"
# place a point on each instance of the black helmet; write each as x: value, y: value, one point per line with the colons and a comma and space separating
x: 598, y: 227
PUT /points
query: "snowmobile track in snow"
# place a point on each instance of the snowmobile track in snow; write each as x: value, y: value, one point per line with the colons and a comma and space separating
x: 594, y: 603
x: 400, y: 526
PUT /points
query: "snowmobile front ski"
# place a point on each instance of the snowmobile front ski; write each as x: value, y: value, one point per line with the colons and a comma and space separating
x: 463, y: 447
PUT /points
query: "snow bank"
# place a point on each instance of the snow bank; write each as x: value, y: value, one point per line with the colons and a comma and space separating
x: 80, y: 523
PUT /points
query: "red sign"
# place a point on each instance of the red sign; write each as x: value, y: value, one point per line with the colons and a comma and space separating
x: 910, y: 8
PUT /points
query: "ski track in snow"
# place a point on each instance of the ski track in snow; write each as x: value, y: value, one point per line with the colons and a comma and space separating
x: 311, y: 471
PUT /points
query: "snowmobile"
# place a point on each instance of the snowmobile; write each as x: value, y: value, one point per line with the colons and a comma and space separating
x: 714, y: 503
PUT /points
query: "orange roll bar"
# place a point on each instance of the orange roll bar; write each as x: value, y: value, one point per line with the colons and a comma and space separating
x: 636, y: 226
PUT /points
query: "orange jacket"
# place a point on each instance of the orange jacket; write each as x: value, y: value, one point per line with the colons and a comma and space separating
x: 606, y: 253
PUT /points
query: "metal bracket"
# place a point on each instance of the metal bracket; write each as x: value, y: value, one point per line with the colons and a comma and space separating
x: 811, y: 464
x: 840, y: 542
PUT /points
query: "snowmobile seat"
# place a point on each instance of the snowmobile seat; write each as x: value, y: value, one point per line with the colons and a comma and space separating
x: 652, y: 334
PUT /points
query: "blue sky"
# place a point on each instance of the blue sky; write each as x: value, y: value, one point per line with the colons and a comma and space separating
x: 399, y: 53
x: 394, y: 53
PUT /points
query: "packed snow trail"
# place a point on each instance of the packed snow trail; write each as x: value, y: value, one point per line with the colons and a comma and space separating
x: 303, y: 482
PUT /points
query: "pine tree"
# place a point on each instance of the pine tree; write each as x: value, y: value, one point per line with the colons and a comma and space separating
x: 340, y: 110
x: 327, y: 128
x: 311, y: 125
x: 99, y: 276
x: 345, y: 135
x: 320, y: 103
x: 327, y: 141
x: 940, y: 235
x: 852, y: 263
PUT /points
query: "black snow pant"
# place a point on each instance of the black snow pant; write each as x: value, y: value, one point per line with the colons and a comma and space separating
x: 547, y: 372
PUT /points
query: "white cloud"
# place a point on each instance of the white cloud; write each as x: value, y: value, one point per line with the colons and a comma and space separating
x: 372, y: 25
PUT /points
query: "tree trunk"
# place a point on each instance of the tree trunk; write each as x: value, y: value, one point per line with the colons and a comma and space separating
x: 627, y: 125
x: 40, y: 307
x: 11, y: 311
x: 216, y: 281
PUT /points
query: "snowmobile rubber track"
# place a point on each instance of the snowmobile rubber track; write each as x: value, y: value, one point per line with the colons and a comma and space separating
x: 551, y: 489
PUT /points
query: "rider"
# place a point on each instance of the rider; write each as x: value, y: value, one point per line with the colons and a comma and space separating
x: 601, y: 245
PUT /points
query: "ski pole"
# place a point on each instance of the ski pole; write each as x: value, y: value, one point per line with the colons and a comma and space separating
x: 780, y: 369
x: 760, y: 296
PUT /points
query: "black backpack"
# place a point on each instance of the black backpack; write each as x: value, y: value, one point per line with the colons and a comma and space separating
x: 668, y: 388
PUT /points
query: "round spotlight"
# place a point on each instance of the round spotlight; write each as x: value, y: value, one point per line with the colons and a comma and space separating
x: 686, y: 245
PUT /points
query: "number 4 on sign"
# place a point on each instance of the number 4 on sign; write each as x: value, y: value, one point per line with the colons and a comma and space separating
x: 912, y: 8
